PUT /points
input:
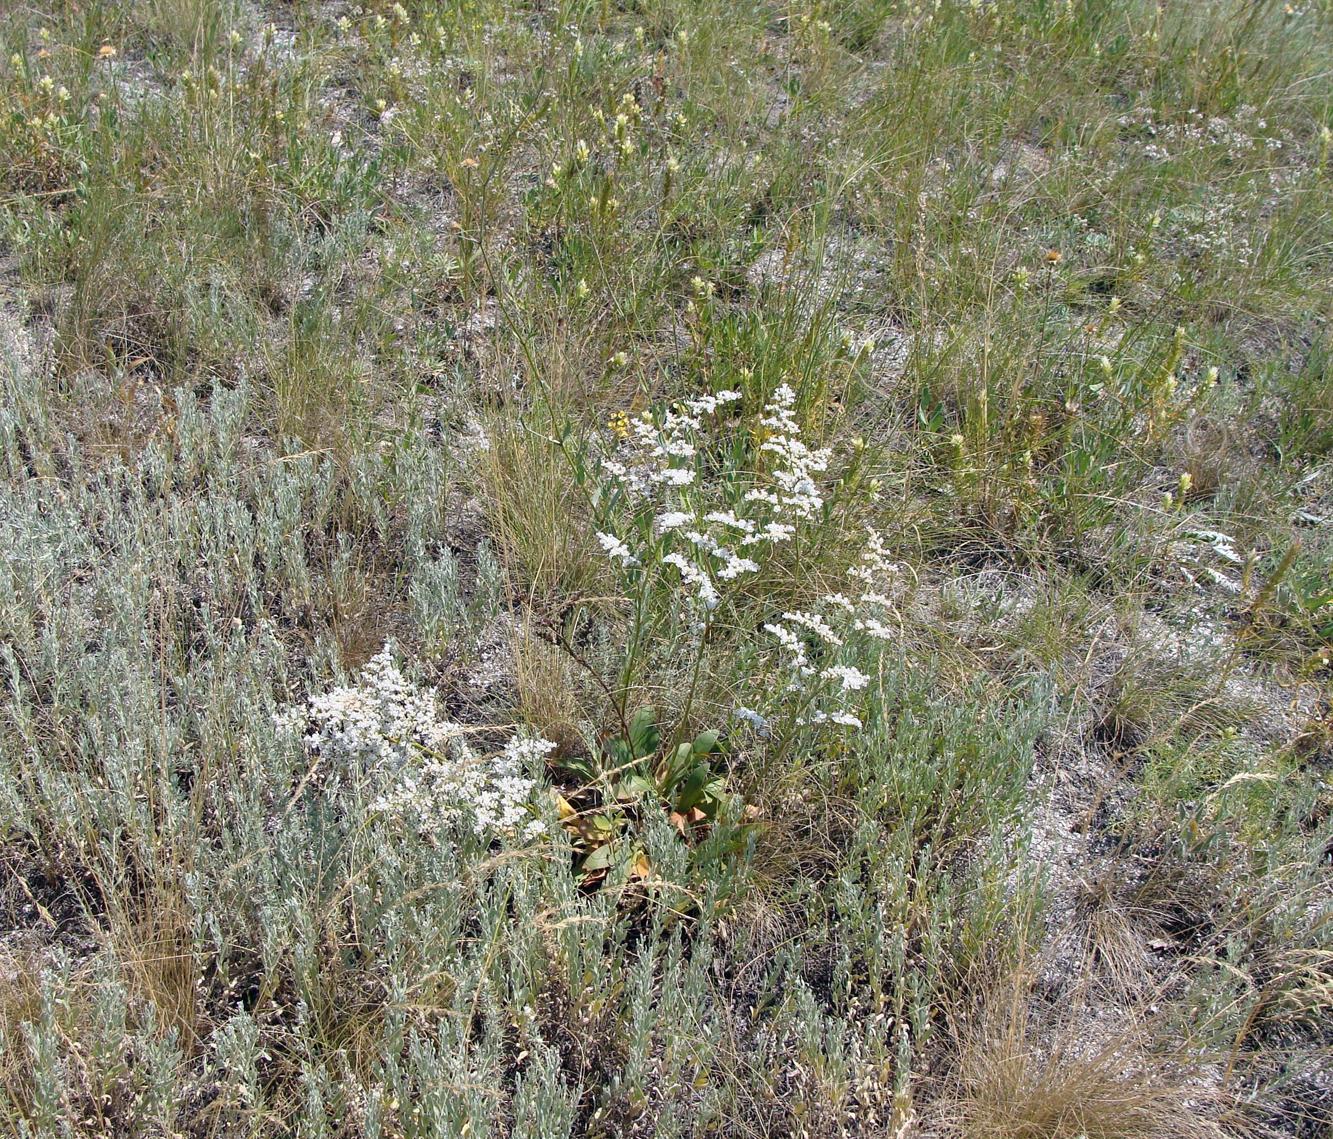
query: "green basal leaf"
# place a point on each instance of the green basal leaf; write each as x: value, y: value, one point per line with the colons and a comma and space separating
x: 677, y: 767
x: 600, y: 859
x: 633, y: 787
x: 693, y: 789
x: 706, y: 742
x: 619, y: 752
x: 582, y: 767
x: 644, y: 738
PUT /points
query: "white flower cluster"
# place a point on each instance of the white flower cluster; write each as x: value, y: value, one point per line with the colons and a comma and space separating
x: 797, y: 464
x: 823, y: 633
x: 389, y: 728
x: 384, y: 720
x: 491, y: 795
x: 706, y: 528
x: 616, y: 549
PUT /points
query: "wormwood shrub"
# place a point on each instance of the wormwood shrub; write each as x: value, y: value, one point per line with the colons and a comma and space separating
x: 350, y: 935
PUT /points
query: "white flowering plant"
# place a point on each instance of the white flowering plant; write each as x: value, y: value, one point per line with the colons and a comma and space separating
x: 693, y: 506
x: 704, y: 512
x: 806, y: 672
x: 423, y: 773
x: 689, y: 506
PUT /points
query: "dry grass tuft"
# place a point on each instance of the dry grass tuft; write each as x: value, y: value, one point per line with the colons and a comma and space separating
x: 1026, y: 1070
x: 154, y: 943
x: 547, y: 689
x: 535, y: 511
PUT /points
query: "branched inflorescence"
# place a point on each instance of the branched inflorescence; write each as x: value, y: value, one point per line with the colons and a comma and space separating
x: 705, y: 525
x: 711, y: 530
x: 825, y: 692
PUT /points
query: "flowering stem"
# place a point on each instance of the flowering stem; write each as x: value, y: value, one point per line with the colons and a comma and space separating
x: 684, y: 718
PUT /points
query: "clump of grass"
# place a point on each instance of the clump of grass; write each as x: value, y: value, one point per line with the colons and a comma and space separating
x: 537, y: 513
x: 1152, y: 697
x: 1025, y: 1068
